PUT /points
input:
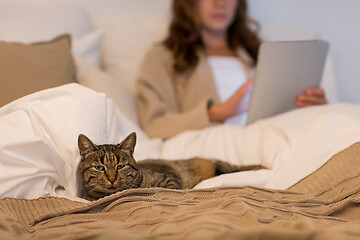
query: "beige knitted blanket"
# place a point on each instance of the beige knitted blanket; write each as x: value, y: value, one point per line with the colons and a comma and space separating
x: 324, y: 205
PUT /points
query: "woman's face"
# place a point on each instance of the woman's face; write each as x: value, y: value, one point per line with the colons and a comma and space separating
x: 216, y: 15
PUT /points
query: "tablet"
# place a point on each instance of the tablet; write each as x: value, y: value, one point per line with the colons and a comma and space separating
x: 284, y: 70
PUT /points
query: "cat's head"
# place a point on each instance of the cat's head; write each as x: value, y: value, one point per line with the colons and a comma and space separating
x: 107, y: 168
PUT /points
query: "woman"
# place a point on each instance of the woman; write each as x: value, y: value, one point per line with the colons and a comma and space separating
x: 201, y: 74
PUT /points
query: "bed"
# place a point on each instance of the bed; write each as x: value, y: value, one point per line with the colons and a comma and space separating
x: 311, y: 189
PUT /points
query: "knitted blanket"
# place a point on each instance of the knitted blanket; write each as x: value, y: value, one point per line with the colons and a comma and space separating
x: 324, y: 205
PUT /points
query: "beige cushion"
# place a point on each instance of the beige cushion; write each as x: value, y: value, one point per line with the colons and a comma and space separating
x: 27, y: 68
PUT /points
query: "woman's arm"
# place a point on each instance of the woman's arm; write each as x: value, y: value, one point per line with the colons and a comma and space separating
x: 159, y: 108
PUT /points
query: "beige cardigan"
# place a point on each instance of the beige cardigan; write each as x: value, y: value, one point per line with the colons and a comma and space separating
x: 170, y: 103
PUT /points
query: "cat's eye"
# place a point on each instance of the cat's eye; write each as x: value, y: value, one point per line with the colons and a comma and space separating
x: 120, y: 166
x: 99, y: 168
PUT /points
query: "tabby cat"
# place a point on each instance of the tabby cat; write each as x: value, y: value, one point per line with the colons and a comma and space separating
x: 106, y: 169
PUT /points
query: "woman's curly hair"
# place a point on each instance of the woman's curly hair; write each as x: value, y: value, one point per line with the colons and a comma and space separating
x: 184, y: 40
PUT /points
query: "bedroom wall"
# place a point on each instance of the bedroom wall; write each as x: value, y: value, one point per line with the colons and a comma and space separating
x: 335, y: 20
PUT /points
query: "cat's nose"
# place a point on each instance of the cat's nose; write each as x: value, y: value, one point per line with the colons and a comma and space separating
x: 112, y: 181
x: 111, y: 178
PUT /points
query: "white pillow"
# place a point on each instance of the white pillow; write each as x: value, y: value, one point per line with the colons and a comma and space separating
x: 94, y: 78
x: 124, y: 48
x: 88, y: 47
x: 131, y: 28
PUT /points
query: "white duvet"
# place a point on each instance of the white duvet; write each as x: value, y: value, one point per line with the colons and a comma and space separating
x: 39, y: 154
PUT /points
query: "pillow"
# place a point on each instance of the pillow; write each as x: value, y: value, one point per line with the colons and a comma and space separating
x: 94, y: 78
x: 88, y: 47
x: 27, y: 68
x: 131, y: 28
x: 125, y: 46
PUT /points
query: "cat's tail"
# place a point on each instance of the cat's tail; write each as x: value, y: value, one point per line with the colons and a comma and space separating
x: 222, y: 167
x: 207, y: 168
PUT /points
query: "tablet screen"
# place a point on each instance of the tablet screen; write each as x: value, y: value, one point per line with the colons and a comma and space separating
x: 284, y: 70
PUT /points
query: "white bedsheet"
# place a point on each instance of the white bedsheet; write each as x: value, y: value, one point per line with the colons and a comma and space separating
x: 38, y: 143
x: 292, y: 145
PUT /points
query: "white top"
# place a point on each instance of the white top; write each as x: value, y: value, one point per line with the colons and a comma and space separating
x: 229, y: 74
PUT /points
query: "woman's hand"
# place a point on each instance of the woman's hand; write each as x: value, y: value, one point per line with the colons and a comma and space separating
x: 221, y: 112
x: 311, y: 97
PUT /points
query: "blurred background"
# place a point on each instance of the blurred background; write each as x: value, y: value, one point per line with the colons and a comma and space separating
x: 337, y: 21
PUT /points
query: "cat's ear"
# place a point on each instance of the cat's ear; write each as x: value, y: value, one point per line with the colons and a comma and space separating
x: 128, y: 143
x: 86, y: 145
